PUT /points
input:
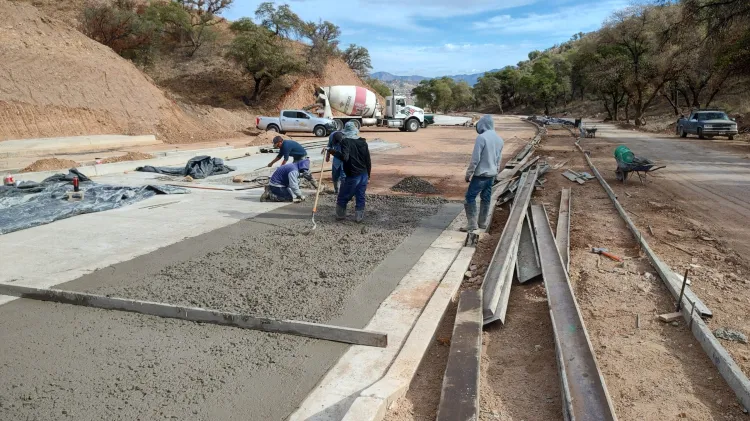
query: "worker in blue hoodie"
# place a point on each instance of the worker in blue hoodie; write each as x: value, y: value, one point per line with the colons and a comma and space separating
x: 284, y: 183
x: 485, y: 160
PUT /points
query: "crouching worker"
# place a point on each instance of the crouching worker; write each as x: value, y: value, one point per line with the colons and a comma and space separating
x: 355, y: 156
x: 284, y: 183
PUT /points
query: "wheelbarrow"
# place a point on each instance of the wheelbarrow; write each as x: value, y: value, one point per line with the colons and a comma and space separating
x: 640, y: 166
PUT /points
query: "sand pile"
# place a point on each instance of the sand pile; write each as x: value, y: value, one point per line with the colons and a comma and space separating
x: 130, y: 156
x: 50, y: 164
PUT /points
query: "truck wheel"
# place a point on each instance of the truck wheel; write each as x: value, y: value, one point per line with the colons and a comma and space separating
x: 339, y: 124
x: 273, y: 128
x: 700, y: 133
x: 412, y: 125
x: 319, y: 131
x: 683, y: 133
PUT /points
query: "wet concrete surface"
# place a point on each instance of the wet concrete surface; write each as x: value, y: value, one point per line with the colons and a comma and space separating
x: 65, y: 362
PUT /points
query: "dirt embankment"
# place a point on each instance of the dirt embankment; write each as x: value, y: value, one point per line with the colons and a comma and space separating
x: 58, y: 82
x: 49, y: 164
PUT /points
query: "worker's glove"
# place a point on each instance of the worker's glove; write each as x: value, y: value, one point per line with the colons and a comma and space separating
x: 468, y: 178
x: 270, y: 165
x: 299, y: 199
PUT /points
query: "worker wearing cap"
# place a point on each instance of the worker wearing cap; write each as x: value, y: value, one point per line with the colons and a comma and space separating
x: 337, y: 168
x: 488, y: 148
x: 284, y: 183
x: 355, y: 156
x: 287, y: 148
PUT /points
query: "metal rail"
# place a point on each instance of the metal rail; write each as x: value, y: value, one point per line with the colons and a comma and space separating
x: 585, y: 397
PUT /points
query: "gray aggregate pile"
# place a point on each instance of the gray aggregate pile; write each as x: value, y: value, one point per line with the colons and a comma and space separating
x: 414, y: 184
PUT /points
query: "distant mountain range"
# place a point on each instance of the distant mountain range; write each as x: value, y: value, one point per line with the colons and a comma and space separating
x: 389, y: 77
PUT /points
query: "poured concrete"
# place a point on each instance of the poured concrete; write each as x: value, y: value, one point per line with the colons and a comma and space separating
x: 96, y: 364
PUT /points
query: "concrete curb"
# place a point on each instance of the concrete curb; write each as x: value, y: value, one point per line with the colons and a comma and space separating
x: 73, y: 144
x: 373, y: 403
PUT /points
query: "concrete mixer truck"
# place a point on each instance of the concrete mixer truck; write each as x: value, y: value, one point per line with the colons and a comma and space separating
x: 361, y: 106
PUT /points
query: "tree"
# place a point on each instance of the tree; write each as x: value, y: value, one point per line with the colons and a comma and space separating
x: 195, y: 27
x: 121, y: 28
x: 378, y: 86
x: 653, y: 57
x: 424, y: 94
x: 443, y: 94
x: 282, y: 21
x: 463, y: 98
x: 258, y: 52
x: 324, y: 38
x: 358, y: 59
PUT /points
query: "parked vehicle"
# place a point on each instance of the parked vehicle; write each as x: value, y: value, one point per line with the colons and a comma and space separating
x: 361, y: 106
x: 296, y: 121
x: 707, y: 123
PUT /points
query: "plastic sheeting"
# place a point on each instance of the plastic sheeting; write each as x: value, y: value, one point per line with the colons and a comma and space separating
x: 31, y: 204
x: 198, y: 167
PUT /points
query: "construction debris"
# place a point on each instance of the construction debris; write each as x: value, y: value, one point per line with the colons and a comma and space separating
x: 730, y: 335
x: 199, y: 167
x: 576, y: 177
x: 670, y: 317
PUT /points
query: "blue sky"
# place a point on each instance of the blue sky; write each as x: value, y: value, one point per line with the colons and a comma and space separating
x: 445, y: 37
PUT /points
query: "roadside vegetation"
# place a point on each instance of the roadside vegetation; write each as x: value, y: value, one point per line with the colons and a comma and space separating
x: 273, y: 43
x: 687, y: 54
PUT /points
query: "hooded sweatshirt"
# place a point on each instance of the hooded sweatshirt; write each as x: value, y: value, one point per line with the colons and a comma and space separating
x: 488, y: 148
x: 287, y: 176
x: 354, y: 152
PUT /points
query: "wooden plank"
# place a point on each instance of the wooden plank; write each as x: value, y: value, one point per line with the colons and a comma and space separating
x: 587, y: 397
x: 505, y: 252
x: 670, y: 317
x: 459, y: 398
x: 562, y: 232
x: 193, y: 314
x: 527, y: 263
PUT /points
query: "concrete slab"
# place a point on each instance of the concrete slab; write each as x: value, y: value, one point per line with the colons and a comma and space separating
x: 360, y: 367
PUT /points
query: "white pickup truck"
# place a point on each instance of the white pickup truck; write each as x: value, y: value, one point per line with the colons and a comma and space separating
x: 296, y: 121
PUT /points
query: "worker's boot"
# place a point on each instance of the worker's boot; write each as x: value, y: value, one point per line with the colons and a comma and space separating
x: 340, y: 213
x: 266, y: 194
x: 359, y: 215
x: 484, y: 212
x: 471, y: 216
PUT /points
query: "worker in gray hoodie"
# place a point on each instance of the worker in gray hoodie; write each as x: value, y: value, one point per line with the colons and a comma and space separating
x: 485, y: 160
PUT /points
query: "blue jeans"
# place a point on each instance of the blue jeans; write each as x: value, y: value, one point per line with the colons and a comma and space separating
x: 282, y: 193
x: 350, y: 187
x: 337, y: 170
x: 479, y: 185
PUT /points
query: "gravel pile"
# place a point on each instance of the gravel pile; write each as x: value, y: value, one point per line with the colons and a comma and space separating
x: 413, y: 184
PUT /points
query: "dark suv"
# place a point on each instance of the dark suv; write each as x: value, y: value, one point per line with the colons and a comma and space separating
x: 707, y: 123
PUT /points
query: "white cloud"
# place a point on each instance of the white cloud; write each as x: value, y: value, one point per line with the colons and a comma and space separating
x: 565, y: 21
x: 396, y: 14
x: 431, y: 61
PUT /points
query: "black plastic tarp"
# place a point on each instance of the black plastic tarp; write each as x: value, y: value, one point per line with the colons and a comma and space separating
x: 30, y: 204
x: 198, y: 167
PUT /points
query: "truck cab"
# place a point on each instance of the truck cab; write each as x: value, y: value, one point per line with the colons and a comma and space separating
x: 396, y: 108
x: 707, y: 123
